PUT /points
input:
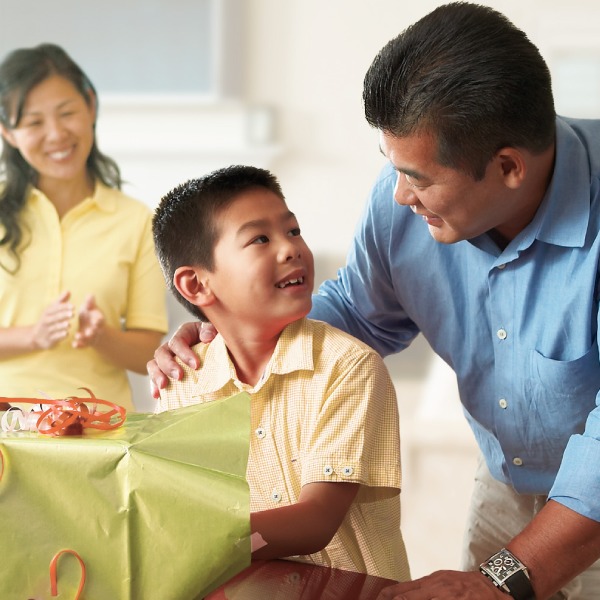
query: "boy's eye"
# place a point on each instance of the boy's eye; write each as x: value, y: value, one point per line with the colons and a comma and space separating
x: 261, y: 239
x: 295, y: 231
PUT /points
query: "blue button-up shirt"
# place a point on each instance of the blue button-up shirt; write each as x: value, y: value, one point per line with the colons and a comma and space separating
x: 519, y: 326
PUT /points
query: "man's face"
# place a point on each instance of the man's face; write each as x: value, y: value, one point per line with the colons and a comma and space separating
x: 454, y: 206
x: 263, y: 270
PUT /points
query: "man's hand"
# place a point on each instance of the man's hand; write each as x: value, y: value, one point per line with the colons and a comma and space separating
x: 164, y: 366
x: 445, y: 585
x: 53, y: 325
x: 91, y: 324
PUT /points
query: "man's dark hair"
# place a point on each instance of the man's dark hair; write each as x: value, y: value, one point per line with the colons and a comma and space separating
x: 185, y: 222
x: 467, y: 76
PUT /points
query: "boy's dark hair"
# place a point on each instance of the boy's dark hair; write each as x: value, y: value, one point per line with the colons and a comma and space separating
x: 184, y: 223
x: 465, y: 74
x: 21, y: 71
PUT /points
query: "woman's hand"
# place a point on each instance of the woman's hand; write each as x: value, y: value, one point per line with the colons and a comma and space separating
x: 163, y: 366
x: 91, y: 324
x: 53, y: 325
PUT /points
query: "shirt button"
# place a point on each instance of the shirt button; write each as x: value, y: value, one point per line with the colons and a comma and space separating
x: 347, y: 471
x: 503, y: 403
x: 503, y: 266
x: 517, y: 461
x: 327, y: 470
x: 276, y: 496
x: 260, y: 433
x: 294, y: 578
x: 501, y: 333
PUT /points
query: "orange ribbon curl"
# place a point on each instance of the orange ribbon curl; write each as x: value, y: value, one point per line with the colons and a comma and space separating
x: 70, y: 416
x: 54, y: 577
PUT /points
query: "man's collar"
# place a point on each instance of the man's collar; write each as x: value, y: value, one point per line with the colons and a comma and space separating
x: 564, y: 214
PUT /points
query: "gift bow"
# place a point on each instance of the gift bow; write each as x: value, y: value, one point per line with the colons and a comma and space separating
x: 69, y: 416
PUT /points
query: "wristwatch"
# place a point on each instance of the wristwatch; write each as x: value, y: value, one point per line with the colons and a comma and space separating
x: 509, y: 574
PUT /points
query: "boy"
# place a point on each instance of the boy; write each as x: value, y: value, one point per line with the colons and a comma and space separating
x: 323, y: 468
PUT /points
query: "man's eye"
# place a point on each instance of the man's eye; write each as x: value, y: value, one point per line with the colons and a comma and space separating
x: 409, y: 179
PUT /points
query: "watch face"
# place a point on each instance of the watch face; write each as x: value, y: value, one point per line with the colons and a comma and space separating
x: 503, y: 565
x: 509, y: 574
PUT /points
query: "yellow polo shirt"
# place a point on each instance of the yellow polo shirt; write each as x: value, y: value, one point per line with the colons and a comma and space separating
x: 103, y: 246
x: 325, y: 410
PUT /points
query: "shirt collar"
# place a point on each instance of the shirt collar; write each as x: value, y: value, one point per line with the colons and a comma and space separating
x: 564, y: 214
x: 103, y: 198
x: 293, y: 352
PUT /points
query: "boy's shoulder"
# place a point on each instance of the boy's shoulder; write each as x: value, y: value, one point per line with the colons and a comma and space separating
x: 206, y: 363
x: 333, y: 339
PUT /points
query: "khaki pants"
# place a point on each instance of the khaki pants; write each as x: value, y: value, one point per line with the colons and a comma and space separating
x: 497, y: 513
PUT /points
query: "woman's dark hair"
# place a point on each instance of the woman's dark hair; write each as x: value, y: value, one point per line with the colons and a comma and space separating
x: 21, y: 71
x: 467, y: 76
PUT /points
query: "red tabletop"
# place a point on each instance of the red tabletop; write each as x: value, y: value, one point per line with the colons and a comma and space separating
x: 290, y: 580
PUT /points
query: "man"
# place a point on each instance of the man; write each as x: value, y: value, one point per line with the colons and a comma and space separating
x: 500, y: 275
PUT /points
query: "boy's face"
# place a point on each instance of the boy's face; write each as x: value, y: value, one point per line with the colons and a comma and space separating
x: 263, y: 270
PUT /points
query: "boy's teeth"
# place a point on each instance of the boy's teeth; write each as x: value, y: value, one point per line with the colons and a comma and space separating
x: 290, y: 282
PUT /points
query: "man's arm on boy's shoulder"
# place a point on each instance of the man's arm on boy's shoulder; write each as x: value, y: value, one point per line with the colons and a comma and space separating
x: 306, y: 526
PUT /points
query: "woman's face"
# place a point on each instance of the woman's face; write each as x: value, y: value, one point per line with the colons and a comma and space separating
x: 55, y: 133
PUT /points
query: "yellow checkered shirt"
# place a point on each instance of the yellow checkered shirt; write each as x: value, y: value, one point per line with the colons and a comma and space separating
x: 324, y: 410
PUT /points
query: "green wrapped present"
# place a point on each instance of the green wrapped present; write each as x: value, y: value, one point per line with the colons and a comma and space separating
x: 158, y: 509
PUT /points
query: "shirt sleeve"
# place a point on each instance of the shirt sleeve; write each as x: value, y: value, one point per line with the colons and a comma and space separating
x: 355, y: 434
x: 146, y: 304
x: 577, y: 483
x: 362, y: 300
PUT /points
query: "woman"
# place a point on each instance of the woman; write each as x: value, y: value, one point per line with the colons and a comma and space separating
x: 68, y: 238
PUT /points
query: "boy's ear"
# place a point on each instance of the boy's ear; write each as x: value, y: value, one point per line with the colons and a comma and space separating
x: 192, y: 284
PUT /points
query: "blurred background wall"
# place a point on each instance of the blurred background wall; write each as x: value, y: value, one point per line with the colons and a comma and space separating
x: 190, y: 85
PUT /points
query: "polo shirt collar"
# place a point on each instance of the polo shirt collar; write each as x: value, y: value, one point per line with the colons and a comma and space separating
x: 103, y: 198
